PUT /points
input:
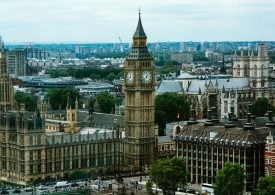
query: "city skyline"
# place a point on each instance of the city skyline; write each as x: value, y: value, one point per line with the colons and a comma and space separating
x: 106, y: 21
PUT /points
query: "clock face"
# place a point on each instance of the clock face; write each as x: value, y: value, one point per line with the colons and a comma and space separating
x: 130, y: 77
x: 146, y: 77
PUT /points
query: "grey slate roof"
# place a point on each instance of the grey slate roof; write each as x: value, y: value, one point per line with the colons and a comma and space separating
x: 165, y: 139
x: 169, y: 86
x: 219, y: 133
x: 85, y: 134
x: 186, y: 75
x: 227, y: 83
x: 107, y: 120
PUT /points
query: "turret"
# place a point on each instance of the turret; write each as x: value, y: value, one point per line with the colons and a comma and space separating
x: 241, y: 52
x: 209, y: 121
x: 270, y: 122
x: 192, y: 118
x: 230, y: 122
x: 248, y: 125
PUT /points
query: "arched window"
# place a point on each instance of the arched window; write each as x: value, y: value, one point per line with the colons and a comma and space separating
x: 255, y: 71
x: 262, y: 70
x: 238, y: 70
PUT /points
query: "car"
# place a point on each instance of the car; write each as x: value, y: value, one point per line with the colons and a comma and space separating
x: 16, y: 191
x: 42, y: 188
x: 75, y: 185
x: 4, y: 192
x: 28, y: 189
x: 191, y: 191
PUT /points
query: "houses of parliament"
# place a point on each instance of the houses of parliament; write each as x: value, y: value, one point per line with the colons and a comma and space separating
x: 40, y: 145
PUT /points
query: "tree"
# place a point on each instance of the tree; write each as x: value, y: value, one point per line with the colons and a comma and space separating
x: 160, y: 119
x: 149, y: 186
x: 169, y: 174
x: 171, y: 107
x: 111, y: 76
x: 106, y: 102
x: 95, y: 76
x: 92, y: 72
x: 260, y: 106
x: 27, y: 99
x: 79, y: 174
x: 199, y: 56
x: 266, y: 185
x: 229, y: 180
x: 58, y: 97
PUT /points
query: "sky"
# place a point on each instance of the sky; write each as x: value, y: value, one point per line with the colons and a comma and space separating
x: 94, y: 21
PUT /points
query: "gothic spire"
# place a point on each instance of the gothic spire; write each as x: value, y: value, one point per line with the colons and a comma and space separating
x: 139, y: 30
x: 252, y: 53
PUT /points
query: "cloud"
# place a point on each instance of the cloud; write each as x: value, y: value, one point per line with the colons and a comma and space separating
x: 106, y: 20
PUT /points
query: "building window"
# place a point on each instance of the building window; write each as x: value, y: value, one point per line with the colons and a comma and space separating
x: 31, y: 155
x: 31, y: 140
x: 225, y: 106
x: 269, y: 148
x: 255, y: 71
x: 269, y: 161
x: 21, y: 155
x: 22, y: 168
x: 49, y: 167
x: 31, y: 169
x: 38, y: 168
x: 238, y: 70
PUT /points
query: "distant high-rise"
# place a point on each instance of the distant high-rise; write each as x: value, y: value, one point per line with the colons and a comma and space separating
x: 1, y: 44
x: 6, y: 89
x: 16, y: 62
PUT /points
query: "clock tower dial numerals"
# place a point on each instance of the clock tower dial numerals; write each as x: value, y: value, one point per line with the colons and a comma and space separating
x: 146, y: 77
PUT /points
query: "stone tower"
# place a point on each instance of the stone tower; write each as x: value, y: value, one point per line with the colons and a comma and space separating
x: 6, y: 90
x: 71, y: 111
x: 254, y: 67
x: 139, y: 74
x: 259, y: 71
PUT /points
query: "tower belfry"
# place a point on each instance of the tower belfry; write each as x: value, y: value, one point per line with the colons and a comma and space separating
x: 6, y: 90
x: 139, y: 71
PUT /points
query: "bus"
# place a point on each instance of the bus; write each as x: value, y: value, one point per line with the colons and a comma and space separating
x: 207, y: 188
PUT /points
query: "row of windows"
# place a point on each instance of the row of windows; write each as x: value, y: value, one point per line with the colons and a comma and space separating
x: 78, y: 150
x: 79, y: 163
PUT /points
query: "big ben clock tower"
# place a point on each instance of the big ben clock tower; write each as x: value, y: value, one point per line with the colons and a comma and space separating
x: 139, y: 74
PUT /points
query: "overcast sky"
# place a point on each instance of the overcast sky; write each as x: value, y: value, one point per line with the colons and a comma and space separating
x: 163, y: 20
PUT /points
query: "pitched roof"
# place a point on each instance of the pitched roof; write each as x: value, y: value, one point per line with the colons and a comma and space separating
x: 186, y: 75
x: 169, y: 86
x: 226, y: 83
x: 218, y: 134
x: 165, y: 139
x: 139, y: 31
